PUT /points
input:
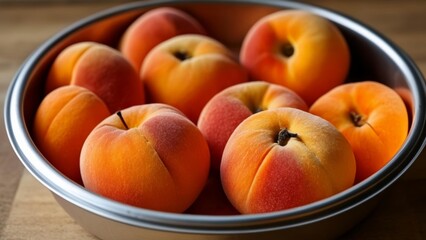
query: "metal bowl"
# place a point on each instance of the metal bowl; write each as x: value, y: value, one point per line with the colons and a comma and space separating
x: 373, y: 57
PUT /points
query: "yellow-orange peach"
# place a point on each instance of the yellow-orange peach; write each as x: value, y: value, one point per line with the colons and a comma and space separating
x: 150, y: 156
x: 297, y: 49
x: 101, y: 69
x: 283, y: 158
x: 373, y: 118
x: 187, y: 70
x: 230, y: 107
x: 153, y: 27
x: 62, y: 122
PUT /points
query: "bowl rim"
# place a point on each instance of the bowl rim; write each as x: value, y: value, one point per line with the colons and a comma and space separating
x: 61, y: 186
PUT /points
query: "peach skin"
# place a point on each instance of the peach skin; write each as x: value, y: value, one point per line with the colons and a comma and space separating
x: 297, y: 49
x: 101, y: 69
x: 372, y: 117
x: 187, y: 70
x: 230, y: 107
x: 62, y: 122
x: 154, y: 27
x: 283, y: 158
x: 149, y: 156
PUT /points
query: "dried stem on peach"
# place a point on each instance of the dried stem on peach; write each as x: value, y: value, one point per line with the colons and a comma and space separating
x: 122, y: 120
x: 284, y: 136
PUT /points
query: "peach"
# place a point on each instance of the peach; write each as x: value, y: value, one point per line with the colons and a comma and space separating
x: 187, y: 70
x: 101, y: 69
x: 283, y: 158
x: 230, y: 107
x: 372, y: 117
x: 63, y: 120
x: 298, y: 49
x: 154, y: 27
x: 149, y: 156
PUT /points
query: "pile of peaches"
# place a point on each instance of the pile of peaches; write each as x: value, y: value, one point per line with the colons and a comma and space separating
x: 173, y: 120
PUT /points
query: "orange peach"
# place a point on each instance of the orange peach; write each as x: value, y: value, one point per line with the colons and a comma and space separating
x: 187, y: 70
x: 230, y: 107
x: 283, y: 158
x: 149, y: 156
x: 62, y: 122
x: 297, y: 49
x: 373, y: 118
x: 153, y: 27
x: 101, y: 69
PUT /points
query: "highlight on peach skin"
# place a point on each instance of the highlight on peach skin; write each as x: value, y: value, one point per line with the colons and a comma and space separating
x: 230, y: 107
x: 297, y: 49
x: 299, y: 158
x: 187, y: 70
x: 101, y: 69
x: 154, y: 27
x: 373, y: 118
x: 62, y: 122
x: 150, y: 156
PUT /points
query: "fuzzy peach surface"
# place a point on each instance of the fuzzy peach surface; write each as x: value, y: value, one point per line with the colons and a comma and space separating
x: 154, y: 27
x: 372, y: 116
x: 62, y: 122
x: 319, y: 58
x: 188, y: 70
x: 259, y: 175
x: 222, y: 114
x: 161, y: 162
x: 101, y: 69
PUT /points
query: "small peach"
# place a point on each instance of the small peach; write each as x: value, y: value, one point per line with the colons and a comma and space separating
x: 149, y: 156
x: 101, y: 69
x: 62, y: 122
x: 283, y: 158
x: 154, y: 27
x: 298, y: 49
x: 230, y: 107
x: 187, y: 70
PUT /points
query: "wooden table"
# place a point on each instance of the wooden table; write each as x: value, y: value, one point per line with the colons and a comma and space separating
x: 28, y: 210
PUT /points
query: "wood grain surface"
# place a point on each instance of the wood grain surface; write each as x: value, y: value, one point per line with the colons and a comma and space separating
x: 29, y: 211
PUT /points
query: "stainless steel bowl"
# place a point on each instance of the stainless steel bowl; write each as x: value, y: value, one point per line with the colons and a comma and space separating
x: 373, y: 57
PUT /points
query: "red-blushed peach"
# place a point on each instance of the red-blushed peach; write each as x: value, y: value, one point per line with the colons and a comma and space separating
x: 372, y: 117
x: 101, y: 69
x: 230, y: 107
x: 187, y: 70
x: 283, y: 158
x: 299, y: 50
x: 63, y: 120
x: 154, y: 27
x: 150, y: 156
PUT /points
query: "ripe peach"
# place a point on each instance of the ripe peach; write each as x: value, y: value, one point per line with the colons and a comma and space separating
x: 149, y: 156
x: 282, y: 158
x: 372, y: 117
x: 62, y: 122
x: 230, y: 107
x: 101, y: 69
x: 297, y: 49
x: 153, y: 27
x: 187, y: 70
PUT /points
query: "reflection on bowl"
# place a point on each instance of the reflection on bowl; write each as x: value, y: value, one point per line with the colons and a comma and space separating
x: 373, y: 57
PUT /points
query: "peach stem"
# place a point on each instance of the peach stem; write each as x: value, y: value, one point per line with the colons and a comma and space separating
x: 287, y: 50
x: 122, y: 119
x: 284, y: 135
x: 356, y: 119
